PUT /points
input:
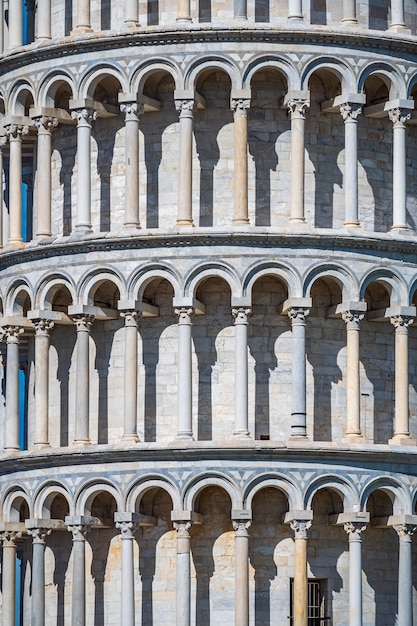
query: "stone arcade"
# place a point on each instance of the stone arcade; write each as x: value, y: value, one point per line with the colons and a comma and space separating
x: 208, y: 286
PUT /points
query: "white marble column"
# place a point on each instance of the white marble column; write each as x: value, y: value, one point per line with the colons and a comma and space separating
x: 131, y: 375
x: 185, y: 428
x: 15, y: 23
x: 241, y: 528
x: 355, y: 530
x: 38, y: 574
x: 84, y: 118
x: 132, y: 111
x: 397, y: 14
x: 295, y: 9
x: 42, y: 330
x: 83, y: 325
x: 300, y: 528
x: 127, y: 523
x: 297, y: 316
x: 79, y: 530
x: 83, y: 19
x: 43, y: 19
x: 405, y: 574
x: 240, y: 10
x: 298, y: 110
x: 9, y: 539
x: 350, y: 113
x: 353, y: 388
x: 3, y: 143
x: 399, y: 119
x: 132, y: 13
x: 2, y: 27
x: 349, y: 12
x: 240, y: 107
x: 402, y: 413
x: 185, y: 162
x: 183, y: 573
x: 15, y: 133
x: 11, y: 437
x: 45, y: 126
x: 241, y: 372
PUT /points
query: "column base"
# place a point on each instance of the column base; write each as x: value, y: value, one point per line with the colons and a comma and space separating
x: 402, y: 440
x: 350, y: 21
x: 184, y: 437
x: 16, y: 243
x: 41, y: 444
x: 132, y: 24
x: 80, y: 30
x: 243, y: 18
x: 82, y: 230
x: 241, y: 434
x: 184, y: 19
x: 130, y: 437
x: 297, y: 221
x: 351, y: 225
x: 240, y: 222
x: 353, y: 438
x: 295, y: 18
x: 81, y: 442
x: 12, y: 449
x: 184, y: 223
x: 401, y: 228
x: 399, y: 28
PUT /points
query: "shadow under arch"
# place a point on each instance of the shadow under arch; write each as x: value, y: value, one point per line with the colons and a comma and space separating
x: 214, y: 85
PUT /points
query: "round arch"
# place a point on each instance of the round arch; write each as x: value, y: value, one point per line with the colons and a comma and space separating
x: 282, y: 483
x: 138, y: 489
x: 48, y: 286
x: 283, y: 66
x: 397, y: 493
x: 287, y: 274
x: 92, y: 78
x: 45, y: 496
x: 389, y: 75
x: 140, y: 279
x: 146, y: 69
x: 86, y: 494
x: 212, y: 270
x: 394, y: 283
x: 337, y: 67
x: 200, y: 482
x: 12, y: 502
x: 343, y: 488
x: 91, y: 281
x: 50, y: 86
x: 215, y: 64
x: 341, y: 274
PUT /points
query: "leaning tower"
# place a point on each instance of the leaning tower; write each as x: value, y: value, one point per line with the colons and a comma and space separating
x: 208, y: 283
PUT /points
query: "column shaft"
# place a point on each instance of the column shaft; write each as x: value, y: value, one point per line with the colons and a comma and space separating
x: 353, y: 390
x: 2, y: 187
x: 185, y: 170
x: 350, y: 116
x: 299, y: 412
x: 300, y: 596
x: 9, y: 579
x: 183, y: 574
x: 38, y: 575
x: 183, y: 11
x: 240, y: 9
x: 241, y: 573
x: 83, y: 15
x: 405, y: 574
x: 84, y: 119
x: 131, y: 375
x: 42, y: 381
x: 15, y: 133
x: 298, y: 112
x: 132, y: 112
x: 43, y: 19
x: 240, y: 125
x: 241, y: 372
x: 12, y: 389
x: 82, y: 394
x: 15, y: 23
x: 397, y: 14
x: 295, y: 9
x: 399, y: 118
x: 132, y: 13
x: 44, y: 150
x: 185, y: 430
x: 349, y: 12
x: 355, y: 529
x: 402, y: 428
x: 128, y: 576
x: 2, y: 27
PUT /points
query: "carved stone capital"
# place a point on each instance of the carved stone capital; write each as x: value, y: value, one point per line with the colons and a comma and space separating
x: 354, y: 529
x: 300, y: 528
x: 84, y: 117
x: 241, y: 527
x: 45, y: 124
x: 39, y: 535
x: 350, y: 111
x: 239, y: 105
x: 9, y: 538
x: 78, y: 531
x: 183, y: 528
x: 241, y: 315
x: 43, y: 327
x: 352, y: 319
x: 298, y: 315
x: 184, y: 314
x: 398, y: 116
x: 132, y: 111
x: 127, y: 528
x: 298, y: 109
x: 131, y: 317
x: 185, y: 107
x: 83, y: 322
x: 405, y: 531
x: 401, y: 322
x: 11, y: 334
